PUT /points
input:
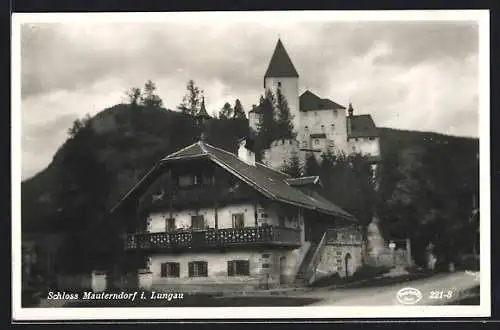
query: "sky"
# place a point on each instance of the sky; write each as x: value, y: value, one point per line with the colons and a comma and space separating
x: 415, y: 75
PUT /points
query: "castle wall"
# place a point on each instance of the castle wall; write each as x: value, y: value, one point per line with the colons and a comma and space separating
x: 365, y: 146
x: 279, y: 152
x: 330, y: 122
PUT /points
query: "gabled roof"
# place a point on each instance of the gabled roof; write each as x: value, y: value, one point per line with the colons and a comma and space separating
x: 309, y: 101
x: 362, y: 126
x: 268, y: 182
x: 280, y: 65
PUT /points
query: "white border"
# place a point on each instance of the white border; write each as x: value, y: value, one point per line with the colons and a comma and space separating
x: 483, y: 310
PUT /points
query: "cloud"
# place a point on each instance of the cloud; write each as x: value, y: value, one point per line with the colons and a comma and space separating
x: 411, y: 75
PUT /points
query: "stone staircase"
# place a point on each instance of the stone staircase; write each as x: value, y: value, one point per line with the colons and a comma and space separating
x: 306, y: 272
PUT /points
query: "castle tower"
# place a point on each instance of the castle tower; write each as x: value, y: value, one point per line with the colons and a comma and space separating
x: 282, y: 74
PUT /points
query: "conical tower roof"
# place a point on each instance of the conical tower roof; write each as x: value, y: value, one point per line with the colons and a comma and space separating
x: 203, y: 111
x: 281, y: 65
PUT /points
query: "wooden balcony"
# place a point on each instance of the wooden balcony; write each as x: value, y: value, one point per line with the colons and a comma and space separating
x: 193, y: 240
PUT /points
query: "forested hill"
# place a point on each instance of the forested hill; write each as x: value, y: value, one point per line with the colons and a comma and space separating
x: 125, y: 141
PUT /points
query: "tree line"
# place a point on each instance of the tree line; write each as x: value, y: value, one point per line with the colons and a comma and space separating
x: 191, y: 102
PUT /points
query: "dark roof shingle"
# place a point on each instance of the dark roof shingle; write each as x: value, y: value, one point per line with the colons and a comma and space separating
x: 309, y: 101
x: 280, y: 65
x: 362, y: 126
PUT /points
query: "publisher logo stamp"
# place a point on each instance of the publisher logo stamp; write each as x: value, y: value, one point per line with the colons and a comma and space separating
x: 409, y: 296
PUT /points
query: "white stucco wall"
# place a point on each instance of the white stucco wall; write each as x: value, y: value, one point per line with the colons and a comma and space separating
x: 157, y: 220
x: 365, y: 146
x: 321, y: 121
x: 290, y: 89
x: 280, y: 151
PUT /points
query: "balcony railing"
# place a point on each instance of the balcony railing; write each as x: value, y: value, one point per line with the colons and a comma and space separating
x: 215, y: 238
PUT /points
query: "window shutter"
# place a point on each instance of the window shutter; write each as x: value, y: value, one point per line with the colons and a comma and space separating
x: 245, y: 267
x: 191, y: 269
x: 230, y: 268
x: 164, y: 269
x: 176, y: 270
x: 204, y: 267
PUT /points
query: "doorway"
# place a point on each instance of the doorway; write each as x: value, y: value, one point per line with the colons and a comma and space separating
x: 282, y: 264
x: 347, y: 264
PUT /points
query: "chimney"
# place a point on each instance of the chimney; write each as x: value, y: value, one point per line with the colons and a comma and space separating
x: 245, y: 151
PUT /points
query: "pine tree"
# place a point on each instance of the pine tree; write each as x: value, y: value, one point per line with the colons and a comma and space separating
x: 284, y: 124
x: 191, y: 102
x: 239, y: 113
x: 149, y: 98
x: 226, y: 111
x: 311, y: 166
x: 133, y: 96
x: 292, y: 166
x: 267, y: 124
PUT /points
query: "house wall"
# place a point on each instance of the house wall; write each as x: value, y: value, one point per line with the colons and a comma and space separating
x: 332, y: 260
x: 282, y: 269
x: 289, y: 89
x: 157, y: 220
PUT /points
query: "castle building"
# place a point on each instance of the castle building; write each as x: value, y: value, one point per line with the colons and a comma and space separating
x: 320, y: 124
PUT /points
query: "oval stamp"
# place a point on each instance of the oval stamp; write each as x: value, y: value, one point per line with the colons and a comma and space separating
x: 409, y: 296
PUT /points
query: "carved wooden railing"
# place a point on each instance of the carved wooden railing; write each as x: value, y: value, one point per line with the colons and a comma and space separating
x: 186, y: 240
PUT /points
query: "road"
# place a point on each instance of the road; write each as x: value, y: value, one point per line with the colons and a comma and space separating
x: 451, y: 285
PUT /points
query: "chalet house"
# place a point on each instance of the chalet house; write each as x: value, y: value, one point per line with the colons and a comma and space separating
x: 204, y: 217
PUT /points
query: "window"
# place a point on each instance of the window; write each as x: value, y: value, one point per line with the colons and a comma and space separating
x: 265, y: 255
x: 238, y: 220
x: 333, y: 127
x: 316, y: 141
x: 335, y: 113
x: 306, y: 129
x: 170, y: 225
x: 304, y: 144
x: 279, y: 83
x: 197, y: 222
x: 198, y: 269
x: 170, y: 269
x: 266, y: 266
x: 371, y: 138
x: 187, y: 180
x: 208, y: 179
x: 332, y: 144
x: 238, y: 268
x: 322, y: 128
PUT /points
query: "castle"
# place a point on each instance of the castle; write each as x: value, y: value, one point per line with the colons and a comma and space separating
x: 320, y: 124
